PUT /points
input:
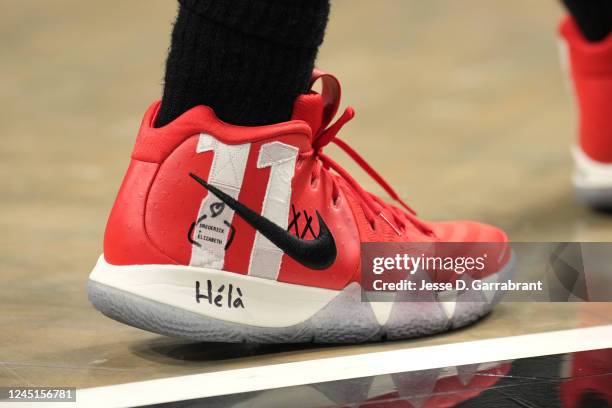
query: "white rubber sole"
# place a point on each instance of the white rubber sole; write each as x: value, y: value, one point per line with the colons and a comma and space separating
x: 592, y: 180
x: 163, y: 299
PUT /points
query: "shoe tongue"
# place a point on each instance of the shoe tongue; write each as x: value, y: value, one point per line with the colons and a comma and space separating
x: 309, y: 108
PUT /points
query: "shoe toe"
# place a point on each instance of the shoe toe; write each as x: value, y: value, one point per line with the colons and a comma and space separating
x: 480, y: 239
x: 468, y: 231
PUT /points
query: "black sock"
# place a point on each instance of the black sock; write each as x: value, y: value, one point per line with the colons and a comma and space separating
x: 594, y: 17
x: 246, y: 59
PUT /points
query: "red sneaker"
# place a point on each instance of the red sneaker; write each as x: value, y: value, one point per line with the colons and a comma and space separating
x: 590, y: 68
x: 232, y: 234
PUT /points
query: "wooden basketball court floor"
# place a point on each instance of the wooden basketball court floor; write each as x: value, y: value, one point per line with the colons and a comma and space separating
x: 461, y: 106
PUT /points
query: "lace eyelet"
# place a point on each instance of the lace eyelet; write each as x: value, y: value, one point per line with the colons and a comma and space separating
x: 336, y: 202
x: 372, y: 225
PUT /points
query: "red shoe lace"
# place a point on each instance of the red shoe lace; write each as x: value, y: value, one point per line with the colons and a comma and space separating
x: 372, y: 205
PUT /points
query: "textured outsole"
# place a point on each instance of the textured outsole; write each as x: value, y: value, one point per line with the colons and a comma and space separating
x: 597, y: 198
x: 346, y: 319
x: 592, y: 180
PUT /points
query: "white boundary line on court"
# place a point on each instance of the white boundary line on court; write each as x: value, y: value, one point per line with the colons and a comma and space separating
x: 345, y: 367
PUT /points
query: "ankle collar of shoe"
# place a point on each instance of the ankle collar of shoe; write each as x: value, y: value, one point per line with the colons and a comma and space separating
x: 587, y: 58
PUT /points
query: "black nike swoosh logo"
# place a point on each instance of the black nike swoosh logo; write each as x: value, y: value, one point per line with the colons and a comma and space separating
x: 318, y: 253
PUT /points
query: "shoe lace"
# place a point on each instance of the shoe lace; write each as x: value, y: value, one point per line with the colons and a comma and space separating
x: 372, y: 205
